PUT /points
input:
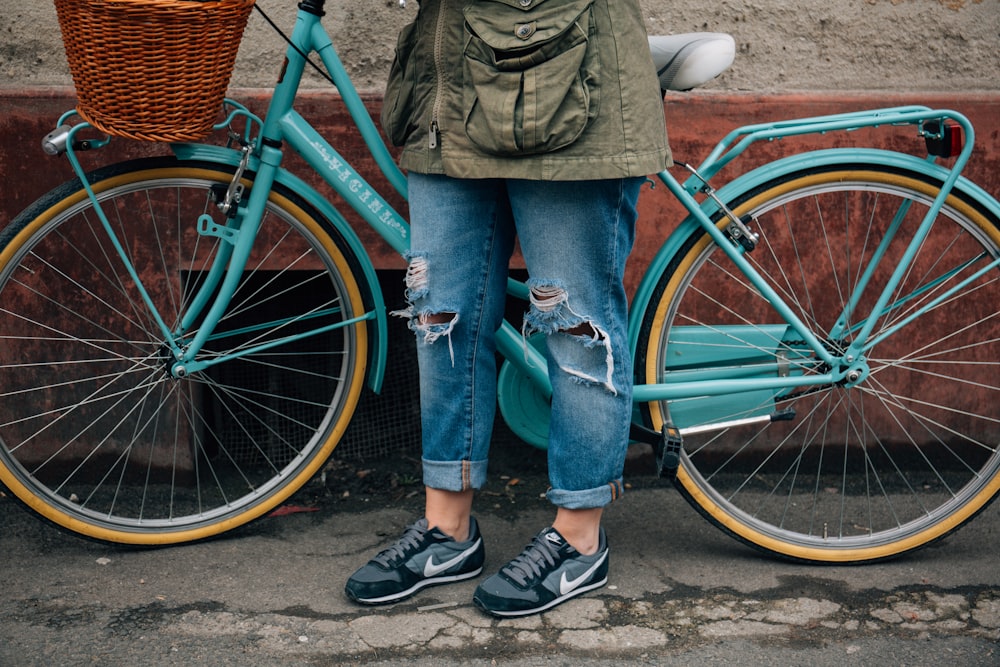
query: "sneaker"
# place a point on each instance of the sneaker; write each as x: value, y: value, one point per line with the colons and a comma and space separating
x: 548, y: 572
x: 421, y: 557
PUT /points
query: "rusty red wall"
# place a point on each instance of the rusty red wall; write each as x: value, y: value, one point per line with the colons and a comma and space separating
x: 695, y: 121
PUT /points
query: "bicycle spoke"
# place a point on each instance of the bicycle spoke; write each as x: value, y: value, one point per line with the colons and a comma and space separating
x: 881, y: 461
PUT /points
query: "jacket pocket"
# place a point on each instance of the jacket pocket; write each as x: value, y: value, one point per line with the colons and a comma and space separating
x: 531, y: 71
x: 398, y: 102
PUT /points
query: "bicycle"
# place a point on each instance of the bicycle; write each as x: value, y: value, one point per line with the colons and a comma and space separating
x: 816, y: 345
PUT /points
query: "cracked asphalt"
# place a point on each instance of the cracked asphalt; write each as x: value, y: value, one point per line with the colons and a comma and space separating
x: 680, y: 593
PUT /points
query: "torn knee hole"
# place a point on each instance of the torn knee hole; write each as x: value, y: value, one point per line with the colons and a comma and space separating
x: 430, y: 327
x: 430, y: 319
x: 551, y: 312
x: 585, y: 329
x: 547, y: 300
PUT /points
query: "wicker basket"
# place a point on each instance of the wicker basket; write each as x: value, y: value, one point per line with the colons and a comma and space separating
x: 155, y: 70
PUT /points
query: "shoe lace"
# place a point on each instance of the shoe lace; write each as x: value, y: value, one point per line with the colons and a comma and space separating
x: 537, y: 557
x: 411, y: 539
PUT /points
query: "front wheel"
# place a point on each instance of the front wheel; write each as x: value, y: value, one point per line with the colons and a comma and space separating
x: 856, y: 471
x: 96, y: 434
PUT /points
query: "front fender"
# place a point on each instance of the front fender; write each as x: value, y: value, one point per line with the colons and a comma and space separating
x: 370, y: 286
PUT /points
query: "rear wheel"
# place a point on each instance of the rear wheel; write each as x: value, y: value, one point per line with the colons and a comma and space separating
x: 856, y: 471
x: 95, y: 434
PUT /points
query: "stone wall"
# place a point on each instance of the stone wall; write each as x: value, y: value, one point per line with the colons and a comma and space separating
x: 784, y: 45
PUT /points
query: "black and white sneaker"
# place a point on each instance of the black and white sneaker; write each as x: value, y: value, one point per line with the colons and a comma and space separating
x: 421, y: 557
x: 548, y: 572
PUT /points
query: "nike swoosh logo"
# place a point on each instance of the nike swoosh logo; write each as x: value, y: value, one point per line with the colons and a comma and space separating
x: 567, y: 585
x: 432, y: 569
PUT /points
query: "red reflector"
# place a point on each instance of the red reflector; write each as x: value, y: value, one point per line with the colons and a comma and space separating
x: 943, y: 141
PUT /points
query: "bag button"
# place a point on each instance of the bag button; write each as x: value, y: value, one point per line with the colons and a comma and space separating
x: 524, y: 30
x: 526, y: 3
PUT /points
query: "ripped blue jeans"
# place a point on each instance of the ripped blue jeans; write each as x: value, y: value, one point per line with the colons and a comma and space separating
x: 575, y: 237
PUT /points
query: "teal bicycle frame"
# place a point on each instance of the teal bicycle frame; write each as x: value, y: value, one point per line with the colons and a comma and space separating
x: 283, y: 126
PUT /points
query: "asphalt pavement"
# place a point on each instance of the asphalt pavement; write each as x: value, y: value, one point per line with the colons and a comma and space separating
x: 680, y: 593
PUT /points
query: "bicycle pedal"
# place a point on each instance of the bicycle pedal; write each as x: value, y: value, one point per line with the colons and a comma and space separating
x: 668, y: 451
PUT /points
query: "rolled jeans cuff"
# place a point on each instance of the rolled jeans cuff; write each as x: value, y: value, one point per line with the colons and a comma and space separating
x: 587, y: 498
x: 454, y: 475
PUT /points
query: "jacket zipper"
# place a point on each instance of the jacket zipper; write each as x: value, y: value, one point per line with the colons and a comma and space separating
x: 432, y: 141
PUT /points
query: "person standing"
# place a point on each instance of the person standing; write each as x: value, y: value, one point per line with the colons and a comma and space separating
x: 534, y: 119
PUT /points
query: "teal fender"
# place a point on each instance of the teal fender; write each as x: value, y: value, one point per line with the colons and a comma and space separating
x: 371, y: 291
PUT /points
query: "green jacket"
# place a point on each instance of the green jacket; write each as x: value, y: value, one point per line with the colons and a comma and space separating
x: 534, y: 89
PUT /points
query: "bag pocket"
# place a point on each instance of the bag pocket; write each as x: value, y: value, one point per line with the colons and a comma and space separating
x: 530, y: 74
x: 400, y: 90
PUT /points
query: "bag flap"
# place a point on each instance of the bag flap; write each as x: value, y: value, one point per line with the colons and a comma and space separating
x: 512, y: 25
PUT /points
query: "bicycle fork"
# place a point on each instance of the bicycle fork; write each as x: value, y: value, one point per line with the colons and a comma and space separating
x: 235, y: 239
